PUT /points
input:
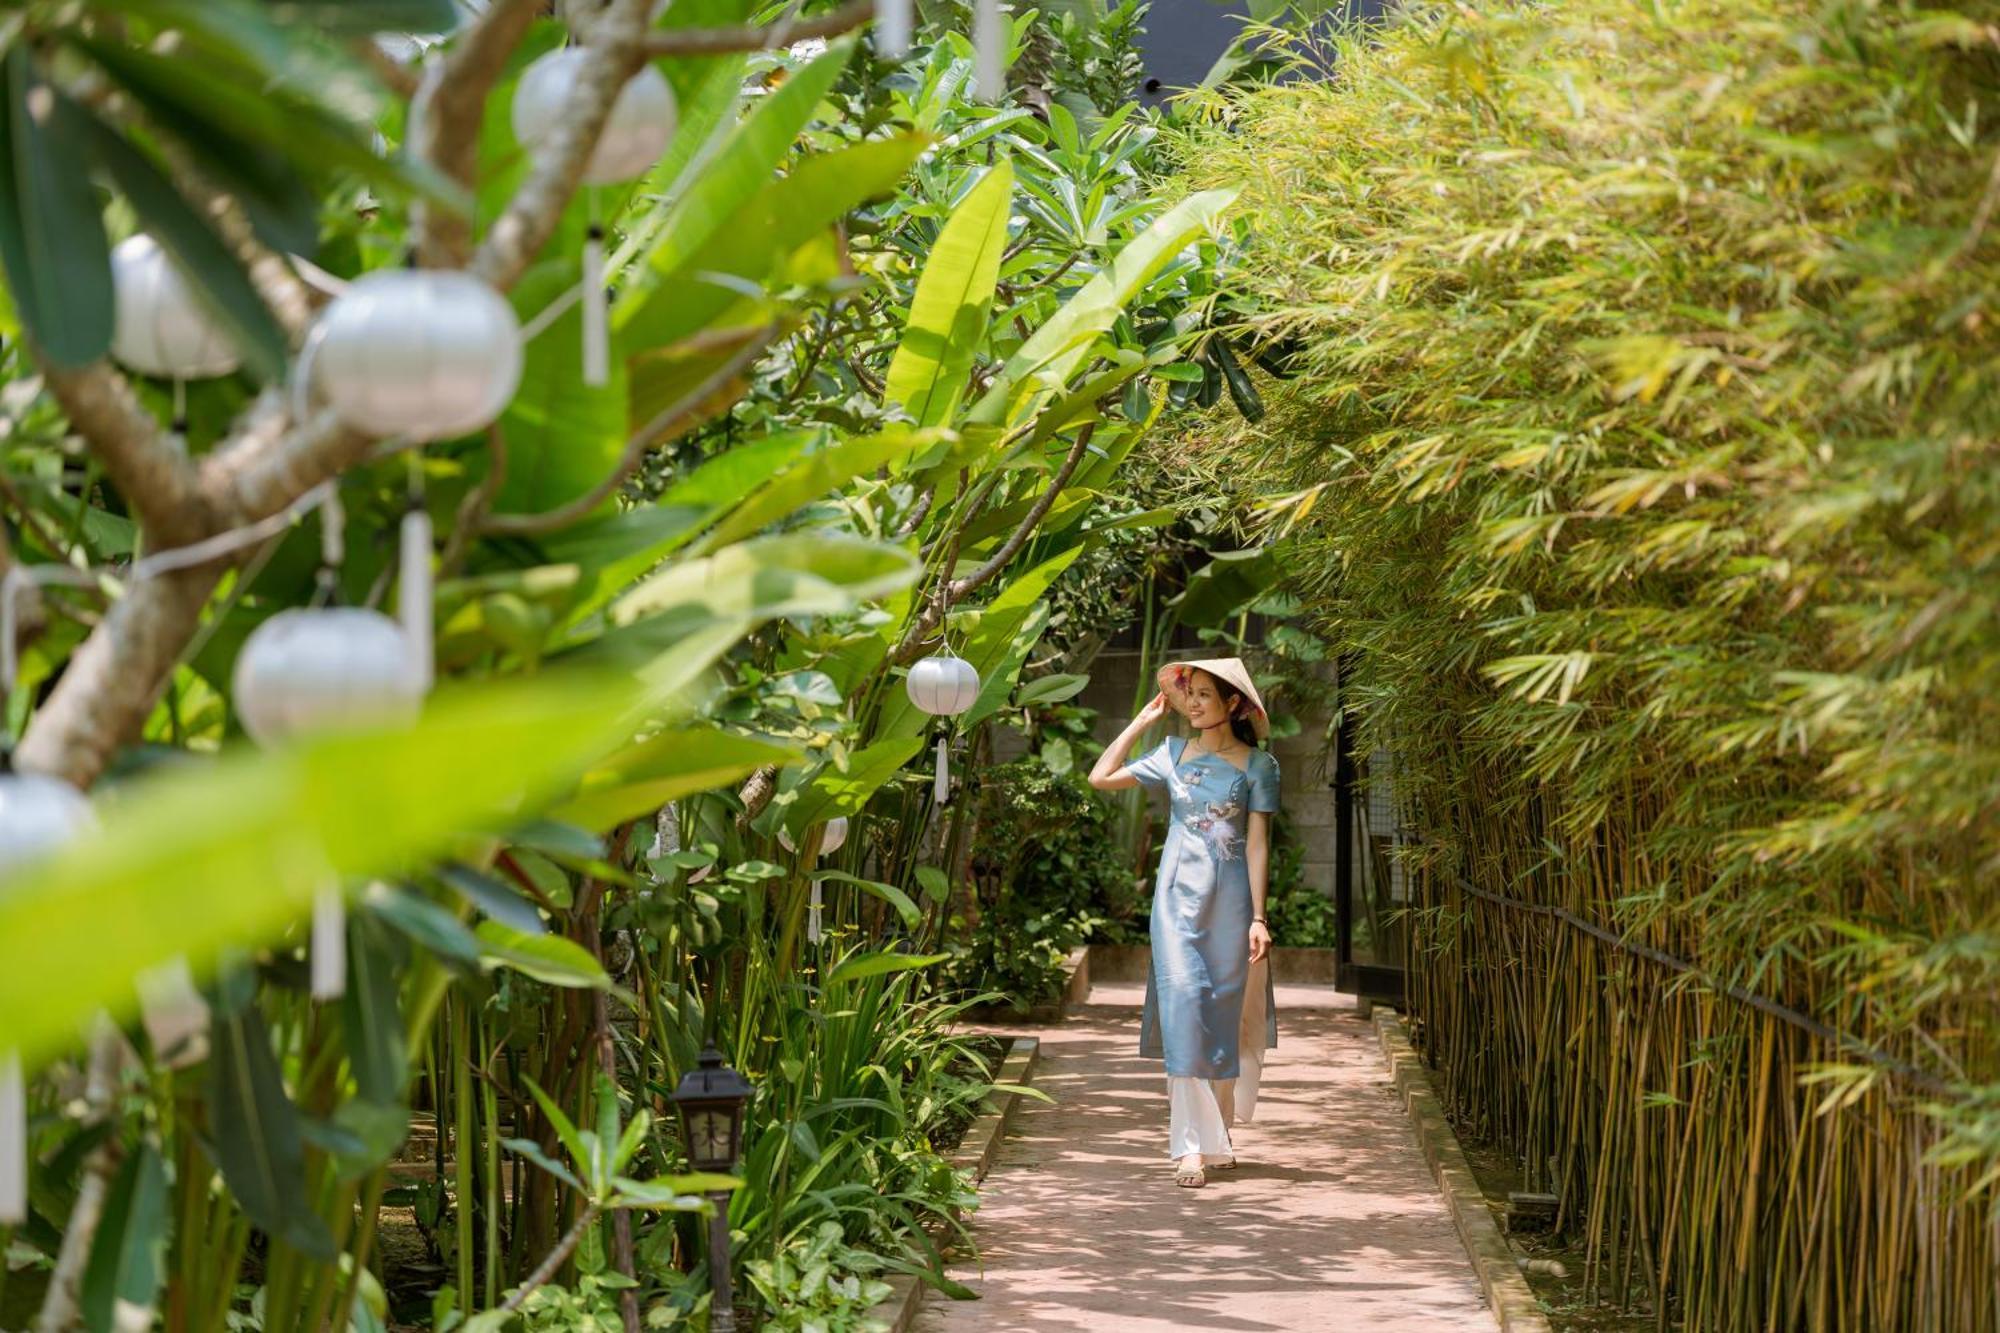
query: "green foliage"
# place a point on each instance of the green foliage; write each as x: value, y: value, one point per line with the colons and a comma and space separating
x: 1049, y: 871
x: 822, y: 1286
x: 1640, y: 453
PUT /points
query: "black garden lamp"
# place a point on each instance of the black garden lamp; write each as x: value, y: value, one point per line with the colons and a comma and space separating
x: 710, y: 1100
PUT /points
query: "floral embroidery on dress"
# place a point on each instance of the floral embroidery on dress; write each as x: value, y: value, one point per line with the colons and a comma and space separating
x: 1217, y: 827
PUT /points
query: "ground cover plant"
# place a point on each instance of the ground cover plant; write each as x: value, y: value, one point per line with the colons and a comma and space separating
x: 1636, y: 447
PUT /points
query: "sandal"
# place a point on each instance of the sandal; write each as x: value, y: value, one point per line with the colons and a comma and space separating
x: 1189, y: 1177
x: 1229, y: 1165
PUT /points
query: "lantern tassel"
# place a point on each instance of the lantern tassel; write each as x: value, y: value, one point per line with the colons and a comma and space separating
x: 988, y: 37
x: 13, y: 1142
x: 892, y: 28
x: 174, y: 1014
x: 596, y: 329
x: 943, y: 788
x: 329, y: 944
x: 413, y: 594
x: 813, y: 913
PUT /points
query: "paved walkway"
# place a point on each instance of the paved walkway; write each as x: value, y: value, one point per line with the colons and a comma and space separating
x: 1331, y: 1224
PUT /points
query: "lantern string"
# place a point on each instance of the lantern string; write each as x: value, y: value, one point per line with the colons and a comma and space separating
x: 988, y: 41
x: 13, y: 1141
x: 18, y: 579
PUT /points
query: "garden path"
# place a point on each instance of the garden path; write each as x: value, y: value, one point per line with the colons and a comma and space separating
x: 1332, y: 1223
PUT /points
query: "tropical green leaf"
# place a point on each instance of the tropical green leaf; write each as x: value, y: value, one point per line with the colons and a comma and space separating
x: 737, y: 173
x: 370, y: 1015
x: 255, y: 1133
x: 128, y: 1258
x: 1054, y: 352
x: 947, y: 322
x: 1053, y: 689
x: 546, y: 958
x: 936, y: 886
x: 831, y: 793
x: 812, y: 475
x: 211, y: 270
x: 219, y: 853
x: 641, y: 778
x: 52, y: 244
x: 816, y: 193
x: 563, y: 436
x: 888, y: 893
x: 859, y: 967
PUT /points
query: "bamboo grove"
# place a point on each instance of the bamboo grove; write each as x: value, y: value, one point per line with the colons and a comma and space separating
x: 1637, y: 435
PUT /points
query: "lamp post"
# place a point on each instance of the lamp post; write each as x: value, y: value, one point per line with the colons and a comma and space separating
x: 710, y: 1100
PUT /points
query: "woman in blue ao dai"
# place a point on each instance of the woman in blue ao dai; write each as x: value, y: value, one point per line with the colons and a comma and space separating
x: 1209, y: 1013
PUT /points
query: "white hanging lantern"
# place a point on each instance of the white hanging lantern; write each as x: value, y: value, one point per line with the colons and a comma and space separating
x: 832, y: 837
x: 944, y: 686
x: 426, y: 354
x: 38, y: 816
x: 160, y: 326
x: 640, y: 126
x: 325, y: 669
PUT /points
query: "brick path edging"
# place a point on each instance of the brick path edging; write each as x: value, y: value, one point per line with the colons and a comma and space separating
x: 975, y: 1153
x: 1508, y: 1296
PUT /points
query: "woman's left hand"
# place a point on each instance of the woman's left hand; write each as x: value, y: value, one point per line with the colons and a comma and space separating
x: 1260, y: 941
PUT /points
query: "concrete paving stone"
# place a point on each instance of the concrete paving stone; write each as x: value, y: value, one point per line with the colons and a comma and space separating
x: 1330, y: 1224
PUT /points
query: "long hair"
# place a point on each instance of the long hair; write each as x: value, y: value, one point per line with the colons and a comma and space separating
x: 1239, y: 718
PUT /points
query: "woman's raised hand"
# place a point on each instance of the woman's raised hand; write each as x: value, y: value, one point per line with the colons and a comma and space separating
x: 1154, y: 711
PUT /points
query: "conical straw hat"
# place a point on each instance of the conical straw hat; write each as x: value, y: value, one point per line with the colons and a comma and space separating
x: 1175, y: 678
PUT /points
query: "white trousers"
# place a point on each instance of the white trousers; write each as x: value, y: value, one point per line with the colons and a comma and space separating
x: 1201, y: 1111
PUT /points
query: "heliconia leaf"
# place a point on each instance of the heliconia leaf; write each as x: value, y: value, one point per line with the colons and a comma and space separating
x: 563, y: 436
x: 831, y: 793
x: 816, y: 193
x: 128, y: 1258
x: 1059, y: 347
x: 734, y: 175
x: 494, y: 897
x: 212, y: 271
x: 663, y: 768
x: 859, y: 967
x: 226, y: 851
x: 256, y: 1134
x: 954, y: 297
x: 370, y: 1016
x: 52, y: 243
x: 905, y: 906
x: 546, y: 958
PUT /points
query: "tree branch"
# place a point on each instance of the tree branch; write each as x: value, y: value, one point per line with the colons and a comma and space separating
x: 547, y: 1269
x: 394, y: 75
x: 452, y: 110
x: 749, y: 37
x: 614, y: 54
x: 155, y: 479
x: 957, y: 590
x: 691, y: 409
x: 61, y: 1303
x: 114, y: 678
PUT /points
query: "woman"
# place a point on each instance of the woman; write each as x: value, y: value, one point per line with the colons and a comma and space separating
x: 1209, y: 1011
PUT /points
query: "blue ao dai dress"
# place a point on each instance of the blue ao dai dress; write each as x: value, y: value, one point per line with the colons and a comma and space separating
x: 1202, y: 909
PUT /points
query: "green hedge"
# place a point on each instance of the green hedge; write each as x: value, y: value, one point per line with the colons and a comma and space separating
x: 1641, y: 451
